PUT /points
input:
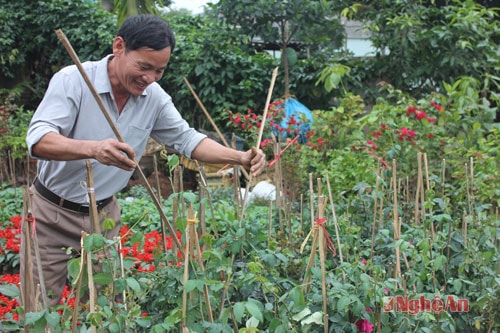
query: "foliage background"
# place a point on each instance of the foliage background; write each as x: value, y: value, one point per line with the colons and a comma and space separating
x: 440, y: 59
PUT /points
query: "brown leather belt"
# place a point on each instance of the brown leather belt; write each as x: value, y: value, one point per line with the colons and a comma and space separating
x: 55, y: 199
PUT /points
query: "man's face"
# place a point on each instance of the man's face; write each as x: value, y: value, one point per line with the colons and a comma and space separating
x: 137, y: 69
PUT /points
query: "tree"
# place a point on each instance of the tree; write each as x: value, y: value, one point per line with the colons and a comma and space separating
x: 126, y: 8
x: 300, y: 22
x: 30, y: 51
x: 223, y: 75
x: 421, y: 45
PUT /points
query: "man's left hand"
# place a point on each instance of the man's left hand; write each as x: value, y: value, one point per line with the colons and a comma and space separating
x: 255, y: 160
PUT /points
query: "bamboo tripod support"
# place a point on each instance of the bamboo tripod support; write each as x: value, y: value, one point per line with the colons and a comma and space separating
x: 31, y: 241
x: 193, y: 251
x: 319, y: 242
x: 86, y: 258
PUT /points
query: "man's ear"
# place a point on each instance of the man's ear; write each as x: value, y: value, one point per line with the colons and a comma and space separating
x: 118, y: 46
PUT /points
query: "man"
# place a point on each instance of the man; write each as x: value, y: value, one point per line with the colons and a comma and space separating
x: 68, y: 128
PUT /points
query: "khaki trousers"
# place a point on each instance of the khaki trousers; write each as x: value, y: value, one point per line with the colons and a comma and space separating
x: 57, y: 229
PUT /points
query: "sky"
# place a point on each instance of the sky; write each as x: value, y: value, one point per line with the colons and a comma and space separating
x: 195, y: 6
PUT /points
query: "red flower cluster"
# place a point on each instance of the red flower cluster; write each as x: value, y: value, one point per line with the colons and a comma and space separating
x: 143, y: 253
x: 419, y: 113
x: 8, y: 305
x: 275, y: 115
x: 404, y: 134
x: 143, y: 256
x: 66, y: 299
x: 11, y: 235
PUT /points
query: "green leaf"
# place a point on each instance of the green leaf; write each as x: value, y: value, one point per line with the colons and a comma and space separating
x: 32, y: 317
x: 121, y: 285
x: 114, y: 328
x: 315, y: 318
x: 137, y: 237
x: 9, y: 290
x: 439, y: 262
x: 238, y: 310
x: 189, y: 197
x: 254, y: 310
x: 302, y: 314
x: 53, y: 318
x: 93, y: 242
x: 143, y: 322
x: 103, y: 278
x: 108, y: 224
x: 194, y: 284
x: 343, y: 303
x: 133, y: 284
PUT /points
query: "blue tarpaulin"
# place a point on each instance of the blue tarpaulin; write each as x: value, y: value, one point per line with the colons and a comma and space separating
x: 298, y: 120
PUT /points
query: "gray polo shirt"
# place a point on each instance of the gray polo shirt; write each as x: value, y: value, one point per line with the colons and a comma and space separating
x: 69, y: 108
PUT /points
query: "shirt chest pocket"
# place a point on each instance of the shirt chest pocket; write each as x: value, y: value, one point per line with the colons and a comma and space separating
x: 137, y: 138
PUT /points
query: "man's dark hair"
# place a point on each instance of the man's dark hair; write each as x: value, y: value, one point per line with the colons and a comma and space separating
x: 146, y: 30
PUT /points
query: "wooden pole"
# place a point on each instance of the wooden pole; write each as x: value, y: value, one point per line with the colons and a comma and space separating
x: 396, y: 221
x: 375, y: 208
x: 335, y: 223
x: 192, y: 251
x: 261, y: 131
x: 92, y: 202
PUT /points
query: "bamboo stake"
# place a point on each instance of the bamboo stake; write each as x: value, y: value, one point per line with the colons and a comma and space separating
x: 28, y: 287
x: 426, y: 165
x: 335, y: 223
x: 74, y: 318
x: 422, y: 190
x: 302, y: 212
x: 92, y: 202
x: 62, y: 37
x: 278, y: 179
x: 443, y: 174
x: 92, y: 290
x: 320, y: 238
x: 396, y: 221
x: 375, y: 208
x: 307, y: 279
x: 28, y: 170
x: 261, y: 131
x: 464, y: 228
x: 29, y: 219
x: 322, y: 259
x: 417, y: 194
x: 193, y: 250
x: 12, y: 169
x: 311, y: 199
x: 469, y: 201
x: 122, y: 268
x: 157, y: 176
x: 158, y: 190
x: 266, y: 107
x: 428, y: 188
x: 270, y: 224
x: 472, y: 195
